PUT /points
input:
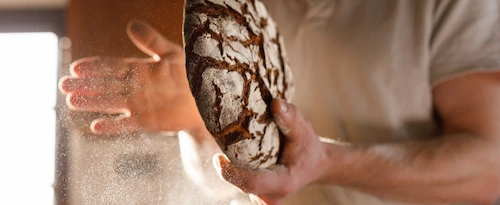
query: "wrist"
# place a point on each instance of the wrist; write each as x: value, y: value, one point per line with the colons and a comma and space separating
x: 338, y: 161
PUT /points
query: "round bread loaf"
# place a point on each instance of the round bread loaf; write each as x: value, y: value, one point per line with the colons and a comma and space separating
x: 236, y: 65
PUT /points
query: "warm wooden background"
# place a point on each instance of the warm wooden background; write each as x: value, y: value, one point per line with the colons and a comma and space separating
x: 97, y: 27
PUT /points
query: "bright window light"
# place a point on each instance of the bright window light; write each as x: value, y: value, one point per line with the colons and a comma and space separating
x: 28, y: 88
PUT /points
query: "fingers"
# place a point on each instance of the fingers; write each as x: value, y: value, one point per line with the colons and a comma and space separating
x: 97, y: 103
x: 99, y: 67
x: 271, y: 180
x: 289, y: 119
x: 151, y: 42
x: 107, y: 126
x: 69, y: 84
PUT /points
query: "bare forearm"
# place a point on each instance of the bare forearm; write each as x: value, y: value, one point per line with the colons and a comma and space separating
x: 455, y: 168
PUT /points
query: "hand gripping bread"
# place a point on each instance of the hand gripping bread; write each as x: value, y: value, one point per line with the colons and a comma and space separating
x: 236, y: 65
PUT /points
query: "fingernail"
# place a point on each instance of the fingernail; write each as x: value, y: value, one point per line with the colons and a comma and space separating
x: 223, y: 158
x: 77, y: 69
x: 95, y: 127
x: 72, y: 69
x: 156, y: 57
x: 217, y: 165
x: 75, y: 101
x: 69, y: 101
x: 63, y: 84
x: 216, y: 162
x: 283, y: 108
x: 283, y: 105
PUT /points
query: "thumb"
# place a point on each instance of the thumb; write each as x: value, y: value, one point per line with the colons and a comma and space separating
x: 288, y: 118
x: 150, y: 41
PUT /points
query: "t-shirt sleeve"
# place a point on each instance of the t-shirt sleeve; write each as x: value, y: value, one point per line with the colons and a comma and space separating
x: 465, y: 38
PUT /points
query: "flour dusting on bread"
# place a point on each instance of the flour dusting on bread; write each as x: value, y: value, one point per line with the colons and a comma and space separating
x: 236, y: 65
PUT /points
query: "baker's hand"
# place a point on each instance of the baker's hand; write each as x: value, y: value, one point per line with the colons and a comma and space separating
x: 150, y: 93
x: 299, y: 165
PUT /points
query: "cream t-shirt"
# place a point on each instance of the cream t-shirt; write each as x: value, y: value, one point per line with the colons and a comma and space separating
x: 364, y: 70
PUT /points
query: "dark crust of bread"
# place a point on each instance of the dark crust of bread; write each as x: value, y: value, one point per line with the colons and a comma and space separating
x: 277, y: 77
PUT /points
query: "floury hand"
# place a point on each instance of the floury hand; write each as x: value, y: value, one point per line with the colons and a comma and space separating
x: 151, y: 93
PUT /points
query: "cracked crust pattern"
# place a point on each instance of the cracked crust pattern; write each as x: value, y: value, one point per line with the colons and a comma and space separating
x: 236, y: 64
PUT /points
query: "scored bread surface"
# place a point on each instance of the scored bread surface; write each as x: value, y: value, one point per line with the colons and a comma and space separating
x: 236, y: 65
